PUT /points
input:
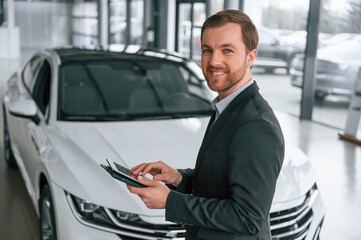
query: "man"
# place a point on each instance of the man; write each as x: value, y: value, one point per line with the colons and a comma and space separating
x: 228, y: 194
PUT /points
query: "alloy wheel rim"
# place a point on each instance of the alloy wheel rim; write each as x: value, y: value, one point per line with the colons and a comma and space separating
x: 47, y: 229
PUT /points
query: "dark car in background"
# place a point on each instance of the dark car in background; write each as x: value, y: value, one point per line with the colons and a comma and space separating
x: 337, y: 68
x: 273, y: 52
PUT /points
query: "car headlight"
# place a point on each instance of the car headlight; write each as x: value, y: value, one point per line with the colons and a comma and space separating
x: 93, y: 213
x: 329, y: 66
x: 125, y: 224
x: 90, y: 212
x: 127, y: 217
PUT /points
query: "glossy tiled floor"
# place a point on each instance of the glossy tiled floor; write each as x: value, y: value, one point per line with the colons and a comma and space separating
x: 337, y: 164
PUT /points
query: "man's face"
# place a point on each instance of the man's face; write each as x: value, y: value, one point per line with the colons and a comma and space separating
x: 225, y: 62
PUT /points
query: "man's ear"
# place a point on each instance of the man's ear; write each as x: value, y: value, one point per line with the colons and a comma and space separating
x: 251, y: 56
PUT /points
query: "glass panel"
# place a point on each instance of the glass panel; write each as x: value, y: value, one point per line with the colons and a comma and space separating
x: 41, y: 90
x: 190, y: 28
x: 81, y: 40
x: 199, y: 16
x: 136, y: 21
x: 338, y: 61
x: 216, y: 6
x: 278, y: 68
x: 184, y: 33
x: 279, y: 42
x: 118, y: 24
x: 85, y: 9
x: 30, y: 71
x: 85, y: 24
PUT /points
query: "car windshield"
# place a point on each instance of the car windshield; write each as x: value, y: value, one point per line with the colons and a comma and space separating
x: 116, y: 90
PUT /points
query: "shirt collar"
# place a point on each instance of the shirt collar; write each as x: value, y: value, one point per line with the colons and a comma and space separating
x: 223, y: 104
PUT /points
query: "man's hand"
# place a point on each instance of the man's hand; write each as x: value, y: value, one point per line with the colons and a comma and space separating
x: 154, y: 196
x: 160, y: 171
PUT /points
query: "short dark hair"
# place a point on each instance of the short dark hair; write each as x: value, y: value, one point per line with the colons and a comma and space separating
x: 249, y: 31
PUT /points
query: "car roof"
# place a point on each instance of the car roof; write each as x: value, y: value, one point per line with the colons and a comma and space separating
x: 71, y: 54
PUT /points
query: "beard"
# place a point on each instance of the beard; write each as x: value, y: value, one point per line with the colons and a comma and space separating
x: 232, y: 79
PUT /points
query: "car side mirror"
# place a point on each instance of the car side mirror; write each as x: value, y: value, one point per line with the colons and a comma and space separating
x: 24, y: 108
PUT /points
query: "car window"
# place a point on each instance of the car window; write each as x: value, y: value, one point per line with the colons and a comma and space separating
x: 30, y: 71
x: 41, y: 88
x: 36, y: 78
x: 127, y: 90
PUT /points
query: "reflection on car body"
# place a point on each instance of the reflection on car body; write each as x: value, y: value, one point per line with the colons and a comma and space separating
x: 69, y: 109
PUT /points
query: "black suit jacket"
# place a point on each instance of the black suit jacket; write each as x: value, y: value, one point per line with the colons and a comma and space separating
x: 229, y: 193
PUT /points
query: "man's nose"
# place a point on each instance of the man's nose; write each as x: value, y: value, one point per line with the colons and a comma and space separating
x: 215, y: 59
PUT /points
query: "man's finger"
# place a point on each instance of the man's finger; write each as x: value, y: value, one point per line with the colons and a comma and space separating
x: 160, y: 177
x: 135, y: 190
x: 139, y: 168
x: 152, y: 168
x: 147, y: 181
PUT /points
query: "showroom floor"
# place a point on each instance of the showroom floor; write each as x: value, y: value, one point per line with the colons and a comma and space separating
x: 337, y: 165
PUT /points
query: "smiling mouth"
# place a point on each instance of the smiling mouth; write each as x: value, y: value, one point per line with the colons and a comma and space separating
x: 217, y: 72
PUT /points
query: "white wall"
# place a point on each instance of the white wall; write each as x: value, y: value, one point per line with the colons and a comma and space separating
x: 42, y: 24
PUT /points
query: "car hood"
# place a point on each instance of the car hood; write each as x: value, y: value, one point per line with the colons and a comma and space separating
x: 350, y: 54
x: 82, y: 147
x: 295, y: 179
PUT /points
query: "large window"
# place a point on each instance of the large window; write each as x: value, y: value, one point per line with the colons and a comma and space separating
x: 85, y: 24
x: 279, y: 42
x: 338, y: 60
x: 126, y: 21
x: 279, y: 66
x: 190, y: 19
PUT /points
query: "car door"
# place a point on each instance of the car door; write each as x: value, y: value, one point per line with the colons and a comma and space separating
x: 32, y: 143
x: 19, y: 91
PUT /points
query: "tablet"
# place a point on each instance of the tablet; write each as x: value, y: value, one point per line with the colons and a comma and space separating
x: 122, y: 174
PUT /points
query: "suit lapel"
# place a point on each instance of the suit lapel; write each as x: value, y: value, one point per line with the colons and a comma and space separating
x: 213, y: 128
x: 210, y: 123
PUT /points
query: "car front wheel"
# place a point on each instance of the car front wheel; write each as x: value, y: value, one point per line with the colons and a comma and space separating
x: 320, y: 95
x: 47, y: 216
x: 8, y: 153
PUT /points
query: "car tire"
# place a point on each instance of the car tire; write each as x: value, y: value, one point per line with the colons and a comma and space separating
x: 8, y: 153
x: 320, y: 95
x: 47, y: 215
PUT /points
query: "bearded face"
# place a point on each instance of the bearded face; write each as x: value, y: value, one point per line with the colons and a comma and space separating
x: 222, y: 78
x: 225, y: 61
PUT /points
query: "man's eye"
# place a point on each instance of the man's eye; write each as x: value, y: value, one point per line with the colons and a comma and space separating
x: 228, y: 50
x: 206, y: 51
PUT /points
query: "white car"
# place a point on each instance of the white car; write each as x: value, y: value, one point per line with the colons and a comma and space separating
x: 69, y: 109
